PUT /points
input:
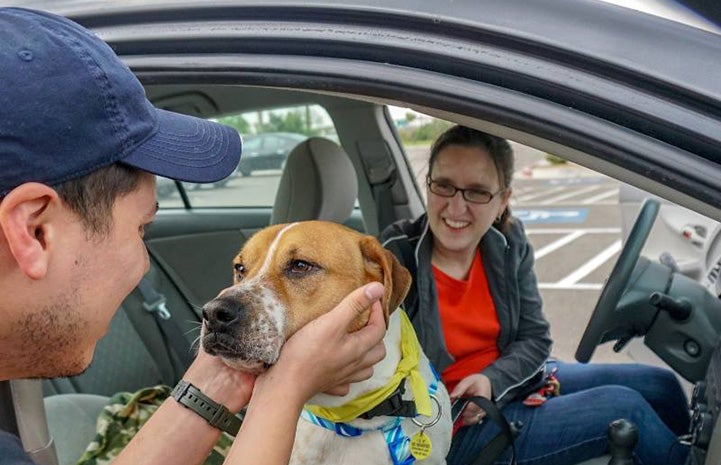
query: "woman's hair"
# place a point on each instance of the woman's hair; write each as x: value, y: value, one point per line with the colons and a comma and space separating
x: 499, y: 149
x: 93, y: 196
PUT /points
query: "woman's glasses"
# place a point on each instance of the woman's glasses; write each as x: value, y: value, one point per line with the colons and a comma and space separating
x: 445, y: 189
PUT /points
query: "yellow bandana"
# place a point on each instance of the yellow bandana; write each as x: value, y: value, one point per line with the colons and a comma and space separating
x: 407, y: 368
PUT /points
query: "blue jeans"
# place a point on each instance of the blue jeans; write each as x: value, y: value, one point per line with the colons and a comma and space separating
x: 571, y: 428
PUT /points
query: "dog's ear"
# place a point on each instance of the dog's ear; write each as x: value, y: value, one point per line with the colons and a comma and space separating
x: 381, y: 265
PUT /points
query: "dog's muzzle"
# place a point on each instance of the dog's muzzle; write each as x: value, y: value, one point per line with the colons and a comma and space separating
x: 221, y: 319
x: 243, y: 337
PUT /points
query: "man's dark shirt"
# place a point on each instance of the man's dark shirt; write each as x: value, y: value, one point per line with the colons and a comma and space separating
x: 11, y: 451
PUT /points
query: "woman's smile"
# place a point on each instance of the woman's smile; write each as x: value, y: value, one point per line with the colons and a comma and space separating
x: 456, y: 224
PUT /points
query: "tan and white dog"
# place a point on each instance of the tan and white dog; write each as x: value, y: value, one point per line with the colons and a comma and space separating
x: 287, y: 275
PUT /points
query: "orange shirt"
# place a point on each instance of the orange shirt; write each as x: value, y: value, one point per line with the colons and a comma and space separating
x: 469, y: 320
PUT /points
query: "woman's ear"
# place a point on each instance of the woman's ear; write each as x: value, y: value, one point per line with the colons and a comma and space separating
x: 25, y: 221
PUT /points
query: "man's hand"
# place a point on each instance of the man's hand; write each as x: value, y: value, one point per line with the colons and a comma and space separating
x: 324, y: 357
x: 476, y: 385
x: 221, y: 383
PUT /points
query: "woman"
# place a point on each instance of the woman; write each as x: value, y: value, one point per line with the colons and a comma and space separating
x: 478, y: 314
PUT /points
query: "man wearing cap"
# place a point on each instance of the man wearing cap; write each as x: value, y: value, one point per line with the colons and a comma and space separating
x: 79, y: 147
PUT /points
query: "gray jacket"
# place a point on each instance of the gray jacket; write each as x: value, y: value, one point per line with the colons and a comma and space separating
x: 524, y: 341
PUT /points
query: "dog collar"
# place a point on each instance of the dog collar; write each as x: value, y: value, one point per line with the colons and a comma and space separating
x: 407, y: 369
x: 396, y: 406
x: 396, y: 439
x: 393, y: 406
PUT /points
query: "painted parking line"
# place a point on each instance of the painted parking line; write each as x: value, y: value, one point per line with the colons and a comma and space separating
x: 568, y: 195
x: 540, y: 193
x: 602, y: 196
x: 570, y: 230
x: 569, y: 235
x: 581, y: 180
x: 591, y: 265
x: 572, y: 280
x: 555, y: 245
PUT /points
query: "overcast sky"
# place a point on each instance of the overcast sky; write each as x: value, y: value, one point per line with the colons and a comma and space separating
x: 668, y: 9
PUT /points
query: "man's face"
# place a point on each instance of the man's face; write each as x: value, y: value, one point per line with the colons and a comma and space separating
x: 92, y: 276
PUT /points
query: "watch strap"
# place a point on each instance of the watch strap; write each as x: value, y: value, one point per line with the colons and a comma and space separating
x: 215, y: 414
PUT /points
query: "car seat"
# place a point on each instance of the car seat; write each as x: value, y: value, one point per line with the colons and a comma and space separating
x: 318, y: 183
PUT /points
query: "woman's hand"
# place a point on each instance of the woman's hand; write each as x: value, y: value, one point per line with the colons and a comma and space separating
x: 324, y: 357
x: 476, y: 385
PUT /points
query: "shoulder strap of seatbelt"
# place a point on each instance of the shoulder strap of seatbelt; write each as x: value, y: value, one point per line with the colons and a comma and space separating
x: 32, y: 426
x: 381, y: 173
x: 154, y: 302
x: 384, y: 201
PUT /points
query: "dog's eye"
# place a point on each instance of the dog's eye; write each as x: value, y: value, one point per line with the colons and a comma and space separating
x: 299, y: 267
x: 239, y: 270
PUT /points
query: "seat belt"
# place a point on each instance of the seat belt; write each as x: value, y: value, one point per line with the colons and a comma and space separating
x: 154, y: 303
x: 31, y: 422
x: 384, y: 199
x: 502, y: 440
x: 382, y: 175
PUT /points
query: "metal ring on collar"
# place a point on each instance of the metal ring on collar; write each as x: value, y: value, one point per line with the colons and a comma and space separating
x: 435, y: 420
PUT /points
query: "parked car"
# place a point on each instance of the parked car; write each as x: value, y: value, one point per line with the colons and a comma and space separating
x: 267, y: 151
x: 167, y: 187
x: 621, y: 92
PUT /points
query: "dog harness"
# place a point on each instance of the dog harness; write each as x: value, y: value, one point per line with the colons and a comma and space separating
x: 396, y: 439
x: 398, y: 442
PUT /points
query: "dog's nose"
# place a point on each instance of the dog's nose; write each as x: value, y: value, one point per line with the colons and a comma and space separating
x: 220, y: 313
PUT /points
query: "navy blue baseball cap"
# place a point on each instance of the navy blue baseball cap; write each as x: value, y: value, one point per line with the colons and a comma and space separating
x: 69, y: 105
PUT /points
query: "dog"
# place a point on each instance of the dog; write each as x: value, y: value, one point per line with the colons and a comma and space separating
x: 287, y: 275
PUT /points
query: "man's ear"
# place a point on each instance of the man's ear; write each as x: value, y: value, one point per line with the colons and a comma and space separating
x: 382, y: 265
x: 24, y: 221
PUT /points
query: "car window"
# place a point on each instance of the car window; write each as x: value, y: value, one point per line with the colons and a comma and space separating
x: 576, y: 220
x: 570, y: 215
x: 252, y: 143
x: 268, y: 136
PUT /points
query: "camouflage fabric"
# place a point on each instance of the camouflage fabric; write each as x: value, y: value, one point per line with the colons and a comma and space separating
x: 121, y: 419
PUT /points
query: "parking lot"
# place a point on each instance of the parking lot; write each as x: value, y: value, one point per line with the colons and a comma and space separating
x: 573, y: 224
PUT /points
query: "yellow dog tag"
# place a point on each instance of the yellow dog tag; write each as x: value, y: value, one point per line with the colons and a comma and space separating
x: 421, y: 445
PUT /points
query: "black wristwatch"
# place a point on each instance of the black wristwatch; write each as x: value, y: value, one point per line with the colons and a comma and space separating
x: 215, y: 414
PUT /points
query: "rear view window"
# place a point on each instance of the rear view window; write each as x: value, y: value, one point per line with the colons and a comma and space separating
x: 268, y: 137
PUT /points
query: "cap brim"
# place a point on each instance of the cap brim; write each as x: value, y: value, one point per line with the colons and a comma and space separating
x: 189, y: 149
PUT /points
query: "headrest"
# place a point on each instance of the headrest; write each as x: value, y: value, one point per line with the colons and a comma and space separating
x: 318, y: 183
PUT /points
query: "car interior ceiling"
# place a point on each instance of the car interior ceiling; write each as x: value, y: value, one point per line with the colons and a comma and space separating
x: 137, y: 351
